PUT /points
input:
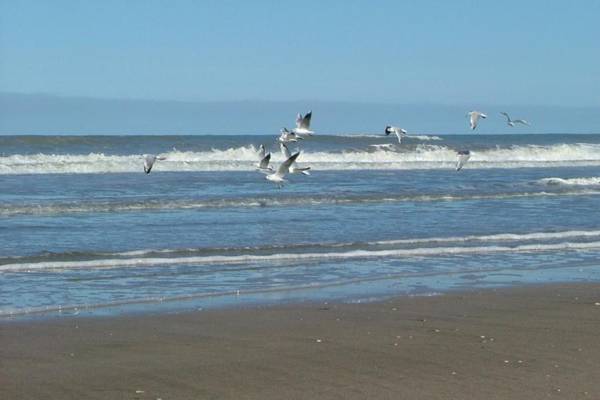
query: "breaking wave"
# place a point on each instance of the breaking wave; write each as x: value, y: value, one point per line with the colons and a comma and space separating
x: 593, y: 181
x: 294, y: 253
x: 416, y: 137
x: 421, y: 156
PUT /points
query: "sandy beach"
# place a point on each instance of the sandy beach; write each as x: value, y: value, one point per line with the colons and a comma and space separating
x: 518, y: 343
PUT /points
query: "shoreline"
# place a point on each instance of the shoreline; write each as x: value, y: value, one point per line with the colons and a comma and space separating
x: 346, y: 293
x: 520, y: 342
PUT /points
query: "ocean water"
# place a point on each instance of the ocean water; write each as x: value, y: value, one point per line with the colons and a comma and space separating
x: 84, y: 230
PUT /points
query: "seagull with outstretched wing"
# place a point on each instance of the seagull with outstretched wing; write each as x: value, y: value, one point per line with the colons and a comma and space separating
x: 287, y: 136
x: 462, y: 157
x: 512, y: 122
x: 278, y: 176
x: 263, y: 165
x: 474, y: 118
x: 149, y: 160
x: 303, y: 124
x: 399, y: 132
x: 294, y: 168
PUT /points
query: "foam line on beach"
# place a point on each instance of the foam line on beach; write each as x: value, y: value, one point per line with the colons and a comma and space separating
x: 295, y: 257
x: 309, y: 247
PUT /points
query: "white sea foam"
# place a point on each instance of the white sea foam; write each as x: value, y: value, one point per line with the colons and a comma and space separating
x: 500, y: 237
x: 517, y: 237
x: 424, y: 137
x: 429, y: 251
x: 423, y: 156
x: 593, y: 181
x: 417, y: 137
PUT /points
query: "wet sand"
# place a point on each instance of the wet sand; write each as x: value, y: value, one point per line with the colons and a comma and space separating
x: 520, y: 343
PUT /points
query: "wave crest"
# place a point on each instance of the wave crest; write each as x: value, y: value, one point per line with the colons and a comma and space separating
x: 417, y: 247
x: 593, y: 181
x: 422, y: 156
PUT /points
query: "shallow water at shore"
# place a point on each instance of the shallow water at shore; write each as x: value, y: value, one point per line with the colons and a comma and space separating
x: 84, y: 229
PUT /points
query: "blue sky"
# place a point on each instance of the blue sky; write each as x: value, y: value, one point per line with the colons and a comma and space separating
x: 446, y: 52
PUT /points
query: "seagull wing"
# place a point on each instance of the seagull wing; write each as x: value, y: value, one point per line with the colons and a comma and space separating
x: 398, y: 133
x: 461, y: 159
x: 284, y: 150
x: 298, y: 121
x: 474, y: 118
x: 305, y: 124
x: 284, y: 168
x: 148, y: 163
x: 521, y: 121
x: 264, y: 163
x: 506, y: 115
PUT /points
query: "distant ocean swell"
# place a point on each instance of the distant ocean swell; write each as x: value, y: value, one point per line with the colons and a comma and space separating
x: 422, y: 156
x: 153, y: 204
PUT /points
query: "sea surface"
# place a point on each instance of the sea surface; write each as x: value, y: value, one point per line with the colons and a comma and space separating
x: 84, y: 231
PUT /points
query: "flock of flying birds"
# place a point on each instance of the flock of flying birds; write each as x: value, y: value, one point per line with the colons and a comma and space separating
x: 302, y: 131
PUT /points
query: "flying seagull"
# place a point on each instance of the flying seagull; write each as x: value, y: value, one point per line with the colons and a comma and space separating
x: 149, y: 160
x: 294, y: 167
x: 399, y: 132
x: 303, y: 124
x: 512, y: 122
x: 287, y: 136
x: 474, y: 118
x: 263, y: 165
x: 462, y: 157
x: 278, y: 176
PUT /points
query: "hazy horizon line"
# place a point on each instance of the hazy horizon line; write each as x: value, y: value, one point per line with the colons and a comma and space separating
x: 288, y: 101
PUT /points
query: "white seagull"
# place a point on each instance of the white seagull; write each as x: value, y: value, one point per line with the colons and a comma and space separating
x: 149, y: 160
x: 462, y: 157
x: 294, y: 167
x: 278, y: 176
x: 303, y: 124
x: 399, y: 132
x: 474, y: 118
x: 263, y: 165
x: 512, y: 122
x: 288, y: 137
